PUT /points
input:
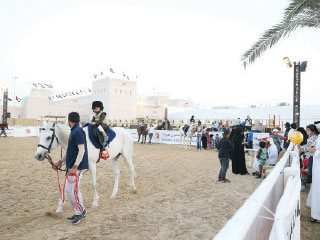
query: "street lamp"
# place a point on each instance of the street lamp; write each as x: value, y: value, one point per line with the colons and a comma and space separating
x: 165, y: 111
x: 297, y: 69
x: 5, y: 104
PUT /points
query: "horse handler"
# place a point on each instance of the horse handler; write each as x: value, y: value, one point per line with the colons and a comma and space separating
x: 76, y: 163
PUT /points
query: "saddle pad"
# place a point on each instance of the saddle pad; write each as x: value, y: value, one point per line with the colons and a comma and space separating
x: 111, y: 135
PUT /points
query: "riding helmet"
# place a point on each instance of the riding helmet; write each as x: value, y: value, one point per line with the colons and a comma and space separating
x: 97, y: 104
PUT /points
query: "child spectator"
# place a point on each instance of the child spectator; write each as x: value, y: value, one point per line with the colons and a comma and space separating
x: 210, y: 142
x: 216, y: 140
x: 249, y: 138
x: 225, y: 148
x: 262, y: 157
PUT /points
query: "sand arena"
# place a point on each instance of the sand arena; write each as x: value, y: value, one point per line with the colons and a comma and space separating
x: 177, y: 198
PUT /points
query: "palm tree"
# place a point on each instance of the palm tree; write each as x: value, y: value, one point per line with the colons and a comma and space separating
x: 299, y: 14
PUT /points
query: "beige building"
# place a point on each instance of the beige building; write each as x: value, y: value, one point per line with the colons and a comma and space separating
x: 119, y: 98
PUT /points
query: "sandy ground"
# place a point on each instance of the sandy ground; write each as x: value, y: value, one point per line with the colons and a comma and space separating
x: 309, y: 230
x: 177, y: 198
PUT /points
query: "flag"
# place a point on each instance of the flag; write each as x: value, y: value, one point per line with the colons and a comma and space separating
x: 80, y: 91
x: 9, y: 99
x: 50, y: 86
x: 101, y: 73
x: 123, y: 74
x: 35, y: 85
x: 46, y: 85
x: 111, y: 70
x: 49, y: 98
x: 89, y: 90
x: 77, y: 92
x: 95, y: 75
x: 127, y: 77
x: 18, y: 99
x: 73, y: 93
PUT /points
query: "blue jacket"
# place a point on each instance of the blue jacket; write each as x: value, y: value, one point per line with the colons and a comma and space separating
x: 77, y: 137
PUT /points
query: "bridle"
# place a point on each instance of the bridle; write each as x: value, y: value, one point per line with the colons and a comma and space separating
x: 52, y: 139
x: 49, y: 147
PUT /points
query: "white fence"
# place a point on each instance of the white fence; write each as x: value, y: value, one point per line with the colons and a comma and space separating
x: 273, y: 209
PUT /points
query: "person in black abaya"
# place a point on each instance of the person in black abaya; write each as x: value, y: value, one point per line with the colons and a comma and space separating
x: 238, y: 155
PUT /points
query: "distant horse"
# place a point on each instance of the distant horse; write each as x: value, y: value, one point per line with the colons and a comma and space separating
x: 144, y: 132
x: 186, y: 135
x: 53, y: 135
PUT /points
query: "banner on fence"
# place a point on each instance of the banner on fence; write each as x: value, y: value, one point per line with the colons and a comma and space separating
x: 15, y: 131
x: 173, y: 137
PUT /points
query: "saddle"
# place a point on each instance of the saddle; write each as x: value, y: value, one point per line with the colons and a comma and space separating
x: 185, y: 129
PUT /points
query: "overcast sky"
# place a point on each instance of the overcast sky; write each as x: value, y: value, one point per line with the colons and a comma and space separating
x: 190, y: 49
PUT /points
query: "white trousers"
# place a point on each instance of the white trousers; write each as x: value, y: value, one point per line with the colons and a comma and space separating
x: 100, y: 128
x: 71, y: 193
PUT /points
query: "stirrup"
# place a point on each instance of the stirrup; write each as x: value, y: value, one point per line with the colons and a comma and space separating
x: 104, y: 155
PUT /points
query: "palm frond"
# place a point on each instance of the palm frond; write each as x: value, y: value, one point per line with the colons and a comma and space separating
x: 299, y: 14
x: 299, y: 7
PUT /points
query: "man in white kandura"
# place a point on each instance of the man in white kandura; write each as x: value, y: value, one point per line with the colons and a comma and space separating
x: 76, y: 162
x: 314, y: 194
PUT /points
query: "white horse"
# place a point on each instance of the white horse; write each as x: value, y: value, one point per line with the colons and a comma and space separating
x: 186, y: 136
x: 53, y: 135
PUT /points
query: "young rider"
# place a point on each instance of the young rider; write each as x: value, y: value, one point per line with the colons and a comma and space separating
x: 99, y: 120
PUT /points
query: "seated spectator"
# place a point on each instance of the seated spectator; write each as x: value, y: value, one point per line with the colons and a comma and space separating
x: 253, y: 127
x: 216, y: 125
x: 226, y: 126
x: 248, y: 122
x: 260, y: 128
x: 272, y: 153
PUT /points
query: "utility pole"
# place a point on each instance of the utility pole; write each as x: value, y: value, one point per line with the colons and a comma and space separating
x: 296, y: 92
x: 297, y: 69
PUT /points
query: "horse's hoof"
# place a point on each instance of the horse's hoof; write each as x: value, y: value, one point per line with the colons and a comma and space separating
x: 59, y: 211
x: 134, y: 191
x: 94, y: 205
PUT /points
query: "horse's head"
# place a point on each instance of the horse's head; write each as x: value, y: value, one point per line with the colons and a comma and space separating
x: 48, y: 141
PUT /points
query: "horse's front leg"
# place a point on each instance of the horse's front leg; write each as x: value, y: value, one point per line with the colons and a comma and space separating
x: 93, y: 172
x: 60, y: 206
x: 190, y: 142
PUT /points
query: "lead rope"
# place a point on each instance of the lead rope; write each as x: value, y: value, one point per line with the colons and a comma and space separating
x: 76, y: 190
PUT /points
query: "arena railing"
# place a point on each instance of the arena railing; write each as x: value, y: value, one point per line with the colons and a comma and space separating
x: 255, y: 218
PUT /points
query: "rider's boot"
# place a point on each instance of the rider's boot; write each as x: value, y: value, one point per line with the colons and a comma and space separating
x: 105, y: 139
